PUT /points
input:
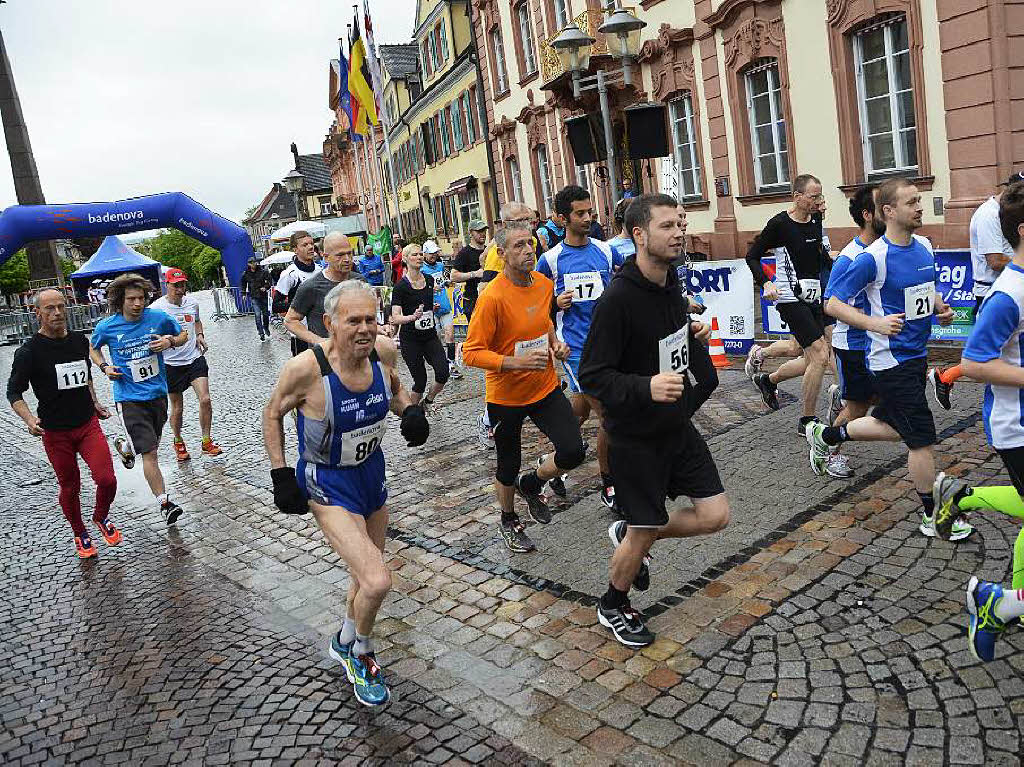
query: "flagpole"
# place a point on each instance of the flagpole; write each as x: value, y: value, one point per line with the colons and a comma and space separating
x: 373, y: 181
x: 382, y: 114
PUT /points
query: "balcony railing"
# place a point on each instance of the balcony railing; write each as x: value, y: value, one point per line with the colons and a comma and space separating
x: 588, y: 21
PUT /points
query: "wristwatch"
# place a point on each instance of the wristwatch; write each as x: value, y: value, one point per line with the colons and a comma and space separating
x: 103, y: 367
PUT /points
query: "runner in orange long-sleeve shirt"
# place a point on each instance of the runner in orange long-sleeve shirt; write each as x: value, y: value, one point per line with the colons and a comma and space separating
x: 511, y: 337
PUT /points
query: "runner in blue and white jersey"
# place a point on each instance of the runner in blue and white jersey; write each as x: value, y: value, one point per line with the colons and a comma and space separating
x: 581, y: 268
x: 897, y: 275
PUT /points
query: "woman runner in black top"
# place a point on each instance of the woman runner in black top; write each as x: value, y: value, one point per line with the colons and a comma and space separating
x: 413, y: 311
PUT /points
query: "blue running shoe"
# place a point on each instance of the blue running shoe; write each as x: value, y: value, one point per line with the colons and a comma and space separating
x: 982, y: 624
x: 343, y: 654
x: 368, y: 684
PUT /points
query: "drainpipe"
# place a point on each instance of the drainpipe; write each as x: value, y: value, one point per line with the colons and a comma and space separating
x: 483, y: 114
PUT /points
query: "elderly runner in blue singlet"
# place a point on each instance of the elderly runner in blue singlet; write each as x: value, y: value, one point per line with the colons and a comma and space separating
x: 343, y: 389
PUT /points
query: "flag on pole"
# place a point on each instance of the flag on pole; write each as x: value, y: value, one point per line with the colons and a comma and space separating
x: 364, y: 108
x: 344, y: 97
x: 371, y: 58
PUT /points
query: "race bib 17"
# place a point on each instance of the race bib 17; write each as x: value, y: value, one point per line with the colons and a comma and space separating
x: 584, y: 286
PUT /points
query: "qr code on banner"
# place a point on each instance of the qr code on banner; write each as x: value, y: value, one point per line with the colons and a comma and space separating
x: 737, y: 325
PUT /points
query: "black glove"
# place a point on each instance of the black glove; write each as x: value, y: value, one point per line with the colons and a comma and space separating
x: 415, y: 428
x: 287, y: 495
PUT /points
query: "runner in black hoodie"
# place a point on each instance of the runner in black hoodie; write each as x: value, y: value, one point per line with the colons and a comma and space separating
x: 633, y: 362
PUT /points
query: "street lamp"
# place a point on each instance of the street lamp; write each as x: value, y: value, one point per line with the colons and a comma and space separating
x: 294, y: 182
x: 572, y: 46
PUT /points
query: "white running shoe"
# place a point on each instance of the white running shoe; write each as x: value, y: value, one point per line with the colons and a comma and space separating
x: 837, y: 465
x: 755, y: 359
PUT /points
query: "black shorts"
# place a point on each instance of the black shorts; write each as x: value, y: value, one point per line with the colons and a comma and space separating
x: 903, y: 404
x: 646, y: 472
x: 855, y: 382
x: 1013, y: 460
x: 806, y: 321
x: 180, y: 377
x: 143, y: 422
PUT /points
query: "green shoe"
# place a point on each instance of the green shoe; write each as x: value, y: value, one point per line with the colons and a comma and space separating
x: 958, y: 532
x: 819, y: 449
x: 945, y: 492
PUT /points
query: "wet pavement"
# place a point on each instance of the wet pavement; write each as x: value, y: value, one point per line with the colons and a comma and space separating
x: 819, y: 627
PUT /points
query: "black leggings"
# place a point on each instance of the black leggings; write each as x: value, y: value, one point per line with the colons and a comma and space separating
x: 704, y: 375
x: 553, y: 416
x: 416, y: 350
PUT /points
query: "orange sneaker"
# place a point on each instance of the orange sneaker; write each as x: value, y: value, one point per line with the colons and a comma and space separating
x: 181, y: 451
x: 210, y: 448
x: 109, y: 531
x: 83, y: 544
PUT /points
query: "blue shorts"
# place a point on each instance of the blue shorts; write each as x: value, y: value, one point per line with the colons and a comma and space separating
x: 359, y: 489
x: 571, y: 364
x: 855, y: 382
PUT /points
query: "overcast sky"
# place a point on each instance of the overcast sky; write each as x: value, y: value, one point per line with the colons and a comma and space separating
x: 130, y: 97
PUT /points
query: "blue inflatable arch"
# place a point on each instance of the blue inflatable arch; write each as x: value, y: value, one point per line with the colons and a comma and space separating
x: 20, y: 224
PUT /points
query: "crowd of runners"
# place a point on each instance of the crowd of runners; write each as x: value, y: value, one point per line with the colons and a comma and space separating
x: 554, y: 311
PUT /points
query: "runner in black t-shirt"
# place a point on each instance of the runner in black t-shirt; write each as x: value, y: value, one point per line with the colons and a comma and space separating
x: 55, y: 363
x: 413, y: 311
x: 467, y: 268
x: 796, y: 237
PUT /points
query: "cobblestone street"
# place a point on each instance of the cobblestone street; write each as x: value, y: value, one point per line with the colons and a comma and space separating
x: 819, y: 627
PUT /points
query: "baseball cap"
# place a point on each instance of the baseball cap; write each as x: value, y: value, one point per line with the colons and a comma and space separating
x: 174, y: 274
x: 476, y: 225
x: 1016, y: 176
x: 431, y: 247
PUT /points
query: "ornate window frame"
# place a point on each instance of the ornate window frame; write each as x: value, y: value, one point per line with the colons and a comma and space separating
x: 845, y: 18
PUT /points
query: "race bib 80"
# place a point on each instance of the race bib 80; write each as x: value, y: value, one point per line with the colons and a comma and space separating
x: 358, y: 445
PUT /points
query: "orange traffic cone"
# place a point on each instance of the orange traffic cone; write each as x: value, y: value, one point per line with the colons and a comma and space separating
x: 717, y: 348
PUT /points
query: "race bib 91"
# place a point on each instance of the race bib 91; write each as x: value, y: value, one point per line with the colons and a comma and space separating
x: 584, y: 286
x: 810, y: 291
x: 144, y: 369
x: 358, y: 445
x: 674, y: 351
x: 917, y: 300
x: 525, y: 347
x: 71, y: 375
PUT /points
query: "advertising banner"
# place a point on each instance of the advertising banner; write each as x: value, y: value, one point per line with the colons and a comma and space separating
x: 953, y: 280
x: 727, y: 289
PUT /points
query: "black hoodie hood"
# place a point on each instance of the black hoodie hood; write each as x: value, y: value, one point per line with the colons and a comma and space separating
x: 310, y: 267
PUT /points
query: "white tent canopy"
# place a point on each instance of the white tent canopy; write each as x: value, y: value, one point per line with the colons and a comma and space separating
x: 315, y: 228
x: 281, y: 257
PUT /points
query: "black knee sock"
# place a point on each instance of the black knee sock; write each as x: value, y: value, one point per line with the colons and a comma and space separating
x: 451, y: 352
x: 833, y: 435
x: 613, y: 598
x: 606, y: 480
x: 806, y: 419
x: 508, y: 517
x: 530, y: 483
x: 928, y: 503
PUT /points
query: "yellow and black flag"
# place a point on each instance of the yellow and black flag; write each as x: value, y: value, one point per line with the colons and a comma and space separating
x: 364, y: 104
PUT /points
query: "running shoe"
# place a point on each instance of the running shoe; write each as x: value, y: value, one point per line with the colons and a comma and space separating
x: 456, y: 373
x: 801, y: 425
x: 982, y: 624
x: 343, y: 654
x: 485, y: 434
x: 819, y: 452
x: 557, y: 484
x: 534, y: 503
x: 368, y: 681
x: 109, y: 530
x: 84, y: 547
x: 211, y: 448
x: 769, y: 391
x: 608, y: 498
x: 617, y: 532
x: 960, y: 530
x: 626, y: 624
x: 127, y: 456
x: 940, y: 389
x: 946, y: 492
x: 755, y: 359
x: 171, y: 511
x: 181, y: 452
x: 516, y: 538
x: 836, y: 465
x: 835, y: 403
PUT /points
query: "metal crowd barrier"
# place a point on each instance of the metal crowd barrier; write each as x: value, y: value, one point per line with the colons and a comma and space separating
x: 19, y: 325
x: 229, y: 303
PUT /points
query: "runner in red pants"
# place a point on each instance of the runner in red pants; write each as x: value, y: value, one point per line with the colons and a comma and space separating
x: 55, y: 362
